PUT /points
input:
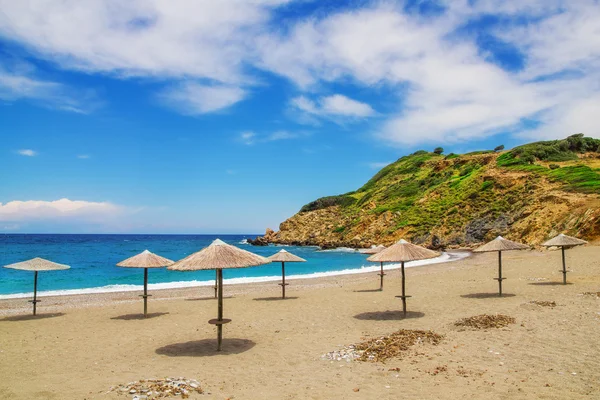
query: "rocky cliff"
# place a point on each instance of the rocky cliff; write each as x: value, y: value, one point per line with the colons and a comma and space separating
x: 527, y: 194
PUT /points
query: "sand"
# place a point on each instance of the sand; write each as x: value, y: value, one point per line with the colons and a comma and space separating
x: 81, y: 346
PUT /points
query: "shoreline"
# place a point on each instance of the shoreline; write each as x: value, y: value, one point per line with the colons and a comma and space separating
x: 446, y: 257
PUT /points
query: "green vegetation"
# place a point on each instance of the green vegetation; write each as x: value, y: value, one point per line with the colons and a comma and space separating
x: 425, y: 191
x: 551, y: 150
x: 577, y: 178
x: 438, y: 150
x: 499, y: 148
x: 343, y: 200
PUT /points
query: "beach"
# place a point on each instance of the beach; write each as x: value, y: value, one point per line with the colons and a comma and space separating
x: 81, y: 346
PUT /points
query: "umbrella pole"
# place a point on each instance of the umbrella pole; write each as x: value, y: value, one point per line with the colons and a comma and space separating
x: 35, y: 292
x: 500, y: 273
x: 381, y: 275
x: 564, y: 271
x: 403, y: 291
x: 220, y: 310
x: 216, y: 281
x: 283, y: 279
x: 145, y: 292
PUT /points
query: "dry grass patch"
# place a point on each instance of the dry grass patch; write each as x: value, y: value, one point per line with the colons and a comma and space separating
x: 543, y: 303
x: 393, y: 345
x: 486, y: 321
x: 595, y: 294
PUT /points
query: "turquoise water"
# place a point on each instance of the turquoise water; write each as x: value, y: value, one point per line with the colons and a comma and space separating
x: 93, y: 257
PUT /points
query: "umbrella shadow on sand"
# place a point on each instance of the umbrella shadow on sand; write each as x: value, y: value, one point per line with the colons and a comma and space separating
x: 367, y: 291
x: 486, y: 295
x: 32, y: 317
x: 207, y: 298
x: 274, y: 298
x: 390, y: 315
x: 130, y: 317
x: 206, y: 348
x: 550, y: 283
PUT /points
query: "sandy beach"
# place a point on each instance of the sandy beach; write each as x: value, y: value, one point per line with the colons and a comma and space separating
x: 81, y: 346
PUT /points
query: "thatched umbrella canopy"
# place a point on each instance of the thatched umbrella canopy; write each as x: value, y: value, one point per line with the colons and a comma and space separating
x: 564, y: 242
x: 374, y: 250
x: 145, y: 260
x: 37, y: 265
x: 219, y: 255
x: 284, y: 256
x: 500, y: 244
x: 402, y: 252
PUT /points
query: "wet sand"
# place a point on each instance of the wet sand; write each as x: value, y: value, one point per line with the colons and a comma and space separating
x: 80, y: 346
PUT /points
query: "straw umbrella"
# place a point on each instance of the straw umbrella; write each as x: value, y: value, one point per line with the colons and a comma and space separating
x: 219, y: 256
x: 374, y: 250
x: 284, y: 256
x: 402, y: 252
x: 564, y: 241
x: 145, y: 260
x: 500, y: 244
x: 37, y: 265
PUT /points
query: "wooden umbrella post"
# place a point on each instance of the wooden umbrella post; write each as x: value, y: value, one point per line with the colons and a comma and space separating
x: 500, y: 274
x: 216, y: 281
x: 381, y: 275
x: 220, y: 310
x: 35, y: 276
x: 283, y: 284
x: 219, y: 321
x: 145, y: 292
x: 564, y: 270
x: 403, y: 290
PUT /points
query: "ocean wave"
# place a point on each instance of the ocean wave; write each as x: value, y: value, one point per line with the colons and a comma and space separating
x: 244, y: 241
x: 445, y: 257
x: 340, y: 250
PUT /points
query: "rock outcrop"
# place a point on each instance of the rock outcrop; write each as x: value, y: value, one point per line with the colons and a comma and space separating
x: 458, y: 201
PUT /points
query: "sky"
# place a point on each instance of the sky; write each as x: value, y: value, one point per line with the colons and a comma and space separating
x: 202, y: 116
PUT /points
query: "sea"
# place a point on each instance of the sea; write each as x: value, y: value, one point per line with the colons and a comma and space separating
x: 93, y: 260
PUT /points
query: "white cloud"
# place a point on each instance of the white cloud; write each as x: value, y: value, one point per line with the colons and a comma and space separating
x: 187, y: 38
x: 27, y: 152
x: 344, y: 106
x: 250, y: 138
x: 83, y: 156
x: 22, y: 85
x: 247, y: 137
x: 63, y: 209
x: 280, y: 135
x: 337, y: 107
x: 445, y: 87
x: 448, y: 90
x: 194, y: 99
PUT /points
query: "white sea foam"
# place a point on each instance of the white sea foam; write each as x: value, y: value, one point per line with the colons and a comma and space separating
x: 445, y: 257
x: 244, y: 241
x: 340, y: 250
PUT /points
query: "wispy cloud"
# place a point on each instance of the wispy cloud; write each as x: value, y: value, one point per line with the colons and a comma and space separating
x: 444, y: 84
x: 194, y: 99
x: 336, y: 107
x: 21, y: 83
x: 449, y: 90
x: 379, y: 165
x: 30, y: 210
x: 27, y: 152
x: 250, y: 137
x: 83, y: 156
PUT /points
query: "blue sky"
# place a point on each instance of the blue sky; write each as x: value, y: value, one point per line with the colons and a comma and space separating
x: 226, y: 117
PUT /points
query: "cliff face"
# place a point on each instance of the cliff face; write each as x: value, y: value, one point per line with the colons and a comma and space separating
x: 528, y: 194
